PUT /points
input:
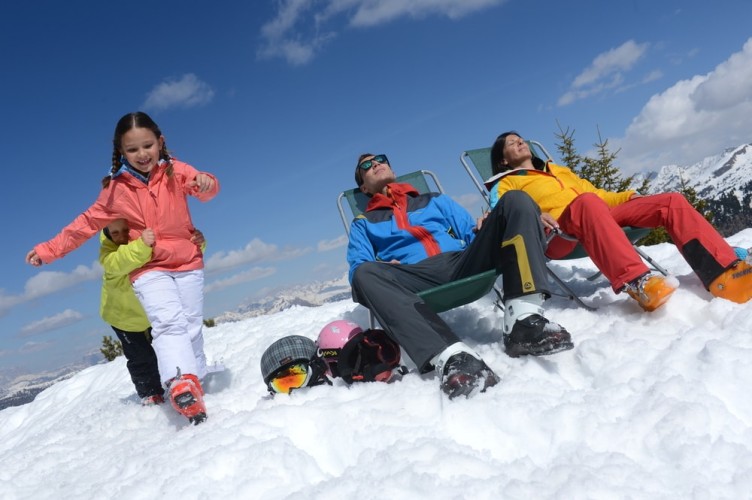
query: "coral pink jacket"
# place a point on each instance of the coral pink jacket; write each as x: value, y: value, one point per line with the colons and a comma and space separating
x: 161, y: 205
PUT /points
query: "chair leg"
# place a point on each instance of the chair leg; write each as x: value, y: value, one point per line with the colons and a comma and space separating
x: 499, y: 298
x: 568, y: 291
x: 650, y: 261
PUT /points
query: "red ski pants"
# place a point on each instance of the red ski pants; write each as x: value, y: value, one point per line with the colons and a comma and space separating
x: 598, y: 228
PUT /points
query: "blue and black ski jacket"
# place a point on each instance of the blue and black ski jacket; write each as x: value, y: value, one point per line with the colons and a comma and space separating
x: 408, y: 227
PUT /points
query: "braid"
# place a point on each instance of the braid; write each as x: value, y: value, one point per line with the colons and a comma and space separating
x: 116, y: 164
x: 164, y: 154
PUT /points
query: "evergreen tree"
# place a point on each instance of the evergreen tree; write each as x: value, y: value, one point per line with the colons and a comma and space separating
x: 111, y: 349
x: 567, y: 150
x: 602, y: 173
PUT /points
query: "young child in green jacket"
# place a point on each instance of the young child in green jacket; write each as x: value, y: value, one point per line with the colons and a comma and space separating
x: 121, y: 309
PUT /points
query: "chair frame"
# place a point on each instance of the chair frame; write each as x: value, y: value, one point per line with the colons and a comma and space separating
x: 536, y: 148
x: 443, y: 297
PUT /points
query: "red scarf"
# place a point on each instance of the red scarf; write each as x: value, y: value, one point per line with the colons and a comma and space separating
x: 396, y: 200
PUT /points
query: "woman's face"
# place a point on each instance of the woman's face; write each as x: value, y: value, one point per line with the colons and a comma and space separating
x: 516, y: 150
x: 141, y: 148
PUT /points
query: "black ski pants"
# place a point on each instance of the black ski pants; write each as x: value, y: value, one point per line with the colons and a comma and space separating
x: 142, y: 362
x: 511, y: 241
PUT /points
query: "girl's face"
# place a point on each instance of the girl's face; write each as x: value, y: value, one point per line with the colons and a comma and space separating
x: 141, y: 148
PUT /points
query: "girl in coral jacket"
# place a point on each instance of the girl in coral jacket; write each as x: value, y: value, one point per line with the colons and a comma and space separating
x: 595, y: 217
x: 149, y: 188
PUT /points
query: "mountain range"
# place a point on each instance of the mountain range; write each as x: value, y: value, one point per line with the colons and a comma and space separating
x: 724, y: 181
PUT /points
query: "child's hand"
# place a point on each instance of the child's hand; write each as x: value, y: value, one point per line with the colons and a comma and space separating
x: 203, y: 183
x: 198, y: 237
x: 148, y: 237
x: 33, y: 259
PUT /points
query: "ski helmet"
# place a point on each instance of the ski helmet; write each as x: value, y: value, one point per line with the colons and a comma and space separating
x: 332, y: 339
x: 291, y: 363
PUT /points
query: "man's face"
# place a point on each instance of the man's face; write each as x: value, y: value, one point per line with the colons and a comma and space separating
x: 377, y: 176
x: 119, y: 231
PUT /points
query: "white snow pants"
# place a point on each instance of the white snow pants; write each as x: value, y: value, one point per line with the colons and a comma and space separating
x: 174, y: 304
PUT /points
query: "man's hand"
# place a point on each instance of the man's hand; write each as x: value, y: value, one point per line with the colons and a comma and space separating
x: 148, y: 237
x: 480, y: 220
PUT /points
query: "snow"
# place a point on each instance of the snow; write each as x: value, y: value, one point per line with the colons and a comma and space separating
x: 647, y: 405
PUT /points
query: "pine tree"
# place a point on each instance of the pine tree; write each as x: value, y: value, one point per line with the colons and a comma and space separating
x: 567, y: 150
x: 111, y: 349
x: 659, y: 234
x: 602, y: 173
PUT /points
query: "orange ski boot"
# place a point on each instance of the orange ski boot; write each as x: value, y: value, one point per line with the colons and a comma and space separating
x: 734, y: 284
x: 187, y: 397
x: 650, y: 291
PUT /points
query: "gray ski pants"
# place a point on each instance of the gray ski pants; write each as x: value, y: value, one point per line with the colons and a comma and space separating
x: 511, y: 241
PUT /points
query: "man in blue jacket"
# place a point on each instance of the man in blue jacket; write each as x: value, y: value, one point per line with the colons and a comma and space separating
x: 406, y: 242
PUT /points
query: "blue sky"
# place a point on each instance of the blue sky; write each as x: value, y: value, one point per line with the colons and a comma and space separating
x: 278, y: 98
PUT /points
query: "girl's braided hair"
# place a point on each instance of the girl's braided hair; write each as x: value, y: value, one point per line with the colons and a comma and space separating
x: 139, y: 119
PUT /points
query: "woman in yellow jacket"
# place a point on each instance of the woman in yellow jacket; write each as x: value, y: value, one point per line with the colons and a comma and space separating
x: 595, y: 217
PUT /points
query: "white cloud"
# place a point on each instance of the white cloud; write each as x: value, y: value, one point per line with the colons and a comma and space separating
x: 605, y: 72
x: 186, y: 92
x: 8, y: 301
x: 472, y: 202
x: 33, y: 346
x: 65, y: 318
x: 326, y: 245
x: 48, y: 282
x: 693, y: 119
x: 255, y: 251
x: 298, y: 32
x: 244, y: 277
x: 371, y: 13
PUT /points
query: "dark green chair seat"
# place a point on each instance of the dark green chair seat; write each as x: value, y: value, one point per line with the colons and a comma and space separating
x: 460, y: 292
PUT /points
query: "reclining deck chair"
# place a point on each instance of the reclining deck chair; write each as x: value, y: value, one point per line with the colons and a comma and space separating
x: 441, y: 298
x: 480, y: 161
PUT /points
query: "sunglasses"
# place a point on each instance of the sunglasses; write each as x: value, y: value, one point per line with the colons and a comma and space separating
x: 376, y: 159
x: 290, y: 377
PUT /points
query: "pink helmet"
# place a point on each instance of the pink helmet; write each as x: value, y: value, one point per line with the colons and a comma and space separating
x: 331, y: 340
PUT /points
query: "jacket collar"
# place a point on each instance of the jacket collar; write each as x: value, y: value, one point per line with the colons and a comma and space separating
x: 515, y: 171
x: 397, y: 193
x: 127, y: 167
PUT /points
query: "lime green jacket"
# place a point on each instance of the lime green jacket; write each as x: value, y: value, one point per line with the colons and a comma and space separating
x: 119, y: 306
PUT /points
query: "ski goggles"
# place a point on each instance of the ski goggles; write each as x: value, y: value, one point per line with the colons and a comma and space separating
x: 290, y: 377
x: 386, y: 352
x: 365, y: 165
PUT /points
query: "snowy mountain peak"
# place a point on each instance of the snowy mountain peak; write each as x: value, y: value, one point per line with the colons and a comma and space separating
x: 307, y: 295
x: 729, y: 171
